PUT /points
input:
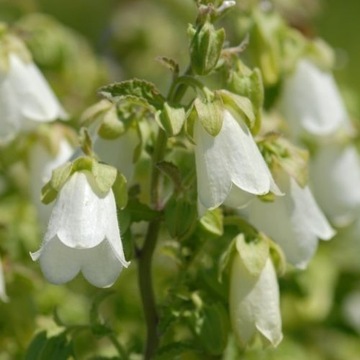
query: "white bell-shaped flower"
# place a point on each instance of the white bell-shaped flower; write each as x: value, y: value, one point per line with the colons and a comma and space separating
x: 83, y: 235
x: 254, y: 303
x: 41, y: 164
x: 26, y: 99
x: 311, y: 102
x: 335, y: 178
x: 294, y: 221
x: 3, y: 295
x: 229, y: 166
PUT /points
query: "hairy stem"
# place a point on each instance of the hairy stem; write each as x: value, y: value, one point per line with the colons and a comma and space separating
x: 146, y: 254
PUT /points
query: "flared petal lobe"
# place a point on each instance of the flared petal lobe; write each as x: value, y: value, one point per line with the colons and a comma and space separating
x: 294, y: 221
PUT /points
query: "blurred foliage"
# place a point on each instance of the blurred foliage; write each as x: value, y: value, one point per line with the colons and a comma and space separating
x: 90, y: 43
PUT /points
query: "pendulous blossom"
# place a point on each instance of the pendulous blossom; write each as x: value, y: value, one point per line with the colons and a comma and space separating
x: 335, y: 177
x: 3, y: 295
x: 26, y: 99
x: 82, y: 235
x: 254, y: 303
x: 294, y: 221
x: 311, y: 102
x: 230, y: 168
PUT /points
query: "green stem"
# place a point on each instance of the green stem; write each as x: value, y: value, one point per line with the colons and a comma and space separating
x: 146, y: 254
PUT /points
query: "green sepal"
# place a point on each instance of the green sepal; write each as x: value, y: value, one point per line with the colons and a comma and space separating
x: 205, y: 47
x: 171, y: 119
x: 212, y: 222
x: 279, y: 152
x: 58, y: 178
x: 119, y: 188
x: 278, y: 257
x: 321, y: 54
x: 104, y: 175
x: 240, y: 105
x: 248, y: 83
x: 95, y: 112
x: 180, y: 216
x: 210, y: 112
x: 137, y: 89
x: 254, y: 253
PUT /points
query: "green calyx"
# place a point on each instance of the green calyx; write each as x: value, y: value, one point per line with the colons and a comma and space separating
x: 105, y: 176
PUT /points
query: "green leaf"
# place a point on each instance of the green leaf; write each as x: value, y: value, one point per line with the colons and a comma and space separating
x: 136, y: 88
x: 253, y: 253
x: 36, y: 346
x: 180, y: 215
x: 214, y: 329
x: 119, y: 188
x: 140, y: 212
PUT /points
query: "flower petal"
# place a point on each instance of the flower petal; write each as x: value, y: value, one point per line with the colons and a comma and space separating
x: 100, y: 265
x: 79, y: 217
x: 212, y: 169
x: 294, y: 221
x: 3, y: 295
x: 335, y: 177
x: 35, y: 98
x: 312, y: 102
x: 59, y: 263
x: 9, y: 112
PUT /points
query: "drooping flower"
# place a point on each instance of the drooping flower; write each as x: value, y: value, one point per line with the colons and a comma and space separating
x: 26, y: 99
x: 82, y: 235
x: 229, y: 166
x: 3, y: 295
x: 335, y: 177
x: 294, y: 221
x: 254, y: 303
x: 311, y: 102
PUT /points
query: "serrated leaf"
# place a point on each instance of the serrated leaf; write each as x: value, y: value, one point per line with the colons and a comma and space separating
x: 253, y: 253
x: 171, y: 64
x: 136, y: 88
